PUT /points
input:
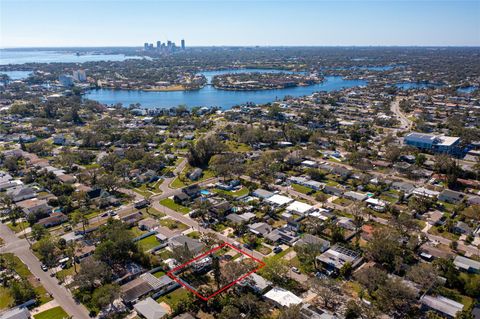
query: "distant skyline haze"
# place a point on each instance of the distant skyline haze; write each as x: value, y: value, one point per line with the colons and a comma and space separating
x: 38, y: 23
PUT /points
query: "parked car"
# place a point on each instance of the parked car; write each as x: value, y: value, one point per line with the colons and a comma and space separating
x: 295, y: 270
x: 277, y: 249
x: 44, y: 267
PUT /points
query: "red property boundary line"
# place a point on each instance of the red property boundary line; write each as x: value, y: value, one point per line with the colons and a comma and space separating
x: 188, y: 287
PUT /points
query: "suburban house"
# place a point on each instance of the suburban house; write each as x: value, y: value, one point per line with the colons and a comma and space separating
x: 442, y: 305
x: 336, y: 257
x: 34, y: 206
x: 282, y: 297
x: 150, y: 309
x: 20, y: 193
x: 54, y: 219
x: 467, y: 264
x: 308, y: 239
x: 449, y: 196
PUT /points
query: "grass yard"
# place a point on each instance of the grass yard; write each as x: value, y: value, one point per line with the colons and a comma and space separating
x: 238, y: 147
x: 184, y: 181
x: 147, y: 190
x: 159, y: 274
x: 168, y: 202
x: 173, y: 224
x: 19, y: 226
x: 6, y: 299
x: 148, y: 243
x: 434, y: 231
x: 302, y: 189
x: 342, y: 201
x: 175, y: 298
x: 194, y: 235
x: 54, y: 313
x: 264, y: 250
x: 241, y: 192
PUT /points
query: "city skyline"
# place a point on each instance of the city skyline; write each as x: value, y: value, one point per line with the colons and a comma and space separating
x: 83, y: 23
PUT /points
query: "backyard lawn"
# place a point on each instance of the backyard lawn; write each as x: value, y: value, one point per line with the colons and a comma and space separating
x: 168, y: 202
x: 302, y: 189
x: 173, y: 224
x: 54, y: 313
x: 148, y: 243
x: 6, y: 299
x: 175, y: 298
x: 239, y: 193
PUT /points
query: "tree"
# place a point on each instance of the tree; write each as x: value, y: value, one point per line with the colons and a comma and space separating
x: 371, y: 277
x: 105, y: 296
x: 47, y: 250
x: 327, y: 289
x: 182, y: 253
x: 292, y: 312
x: 38, y: 231
x: 384, y: 247
x: 275, y: 270
x: 227, y: 165
x: 203, y: 150
x: 307, y: 254
x: 423, y: 274
x: 230, y: 312
x: 392, y: 153
x: 22, y: 291
x: 396, y: 298
x: 217, y: 274
x: 109, y: 182
x: 92, y: 272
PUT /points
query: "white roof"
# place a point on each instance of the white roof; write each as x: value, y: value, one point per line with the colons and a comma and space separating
x: 279, y: 200
x: 150, y: 309
x: 299, y: 207
x: 283, y: 297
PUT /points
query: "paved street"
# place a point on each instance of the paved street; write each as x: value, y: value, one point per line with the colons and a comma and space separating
x: 21, y: 249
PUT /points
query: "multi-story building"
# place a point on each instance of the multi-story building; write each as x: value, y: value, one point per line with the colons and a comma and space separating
x: 434, y: 143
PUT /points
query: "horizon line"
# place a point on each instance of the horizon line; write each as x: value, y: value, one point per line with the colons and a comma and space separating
x: 254, y: 46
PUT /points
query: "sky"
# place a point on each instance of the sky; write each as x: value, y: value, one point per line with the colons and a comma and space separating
x: 64, y: 23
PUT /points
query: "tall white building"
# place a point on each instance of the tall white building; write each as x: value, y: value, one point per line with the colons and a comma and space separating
x: 79, y: 75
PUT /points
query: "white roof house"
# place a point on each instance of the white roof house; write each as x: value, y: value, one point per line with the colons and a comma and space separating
x: 299, y: 207
x: 283, y: 297
x: 279, y: 200
x: 150, y: 309
x: 443, y: 305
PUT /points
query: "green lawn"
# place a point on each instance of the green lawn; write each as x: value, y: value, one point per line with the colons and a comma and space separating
x: 241, y: 192
x: 147, y: 190
x: 22, y: 271
x: 159, y: 274
x: 168, y: 202
x: 177, y: 183
x: 19, y: 226
x: 263, y: 249
x: 302, y: 189
x: 194, y: 235
x: 175, y: 298
x: 238, y: 147
x: 148, y: 243
x: 6, y: 299
x: 173, y: 224
x: 54, y: 313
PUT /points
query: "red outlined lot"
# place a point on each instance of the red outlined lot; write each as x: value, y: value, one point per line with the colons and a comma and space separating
x: 172, y: 275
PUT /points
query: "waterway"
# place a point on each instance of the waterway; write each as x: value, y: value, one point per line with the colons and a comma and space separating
x: 209, y: 96
x: 50, y: 56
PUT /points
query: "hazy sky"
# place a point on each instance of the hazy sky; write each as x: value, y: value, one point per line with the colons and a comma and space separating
x: 33, y: 23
